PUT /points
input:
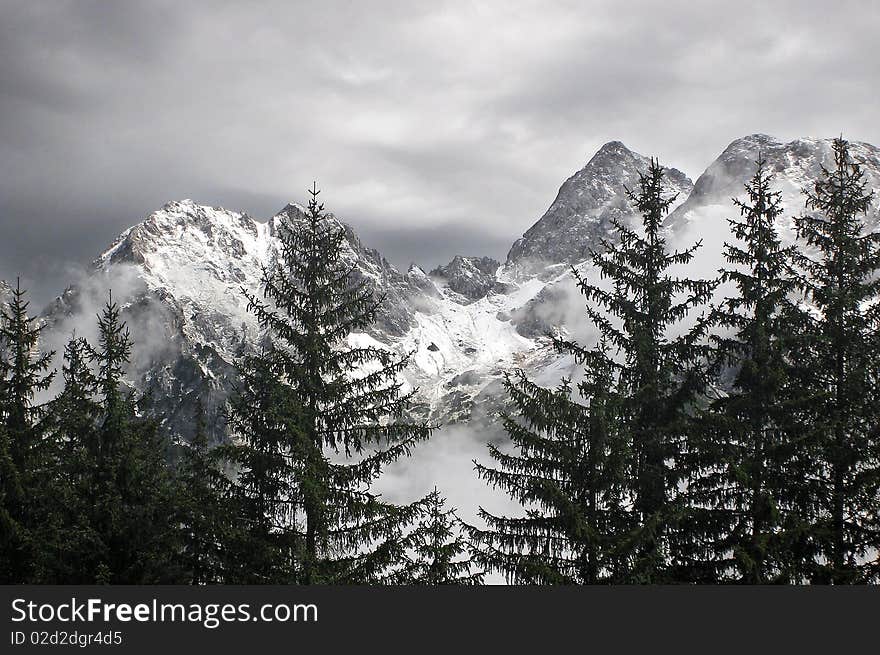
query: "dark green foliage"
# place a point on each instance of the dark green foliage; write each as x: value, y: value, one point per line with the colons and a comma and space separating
x: 660, y: 376
x: 568, y: 472
x: 23, y: 451
x: 599, y: 479
x: 10, y: 528
x: 119, y: 525
x: 204, y: 509
x: 746, y: 453
x: 263, y: 418
x: 66, y: 533
x: 312, y: 518
x: 841, y: 372
x: 439, y: 551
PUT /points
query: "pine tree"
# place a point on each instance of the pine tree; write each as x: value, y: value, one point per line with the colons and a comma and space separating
x: 76, y: 411
x: 204, y: 522
x: 744, y: 478
x: 439, y: 551
x: 568, y: 473
x: 661, y: 372
x: 263, y: 419
x: 309, y: 395
x: 24, y: 372
x: 12, y: 539
x: 132, y: 489
x: 842, y: 284
x: 68, y: 539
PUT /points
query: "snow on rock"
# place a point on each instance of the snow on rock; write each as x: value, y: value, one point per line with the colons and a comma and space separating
x: 472, y: 277
x: 179, y: 275
x: 794, y: 166
x: 5, y: 292
x: 583, y: 211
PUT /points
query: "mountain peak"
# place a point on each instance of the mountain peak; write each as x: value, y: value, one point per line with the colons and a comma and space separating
x: 754, y: 140
x: 585, y: 207
x: 181, y: 225
x: 188, y: 206
x: 611, y: 153
x: 5, y: 292
x: 793, y: 165
x: 292, y: 209
x: 471, y: 277
x: 613, y: 147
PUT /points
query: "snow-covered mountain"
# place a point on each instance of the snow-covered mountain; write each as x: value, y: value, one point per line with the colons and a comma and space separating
x: 584, y: 209
x: 472, y: 277
x: 795, y: 166
x: 179, y: 274
x: 5, y: 292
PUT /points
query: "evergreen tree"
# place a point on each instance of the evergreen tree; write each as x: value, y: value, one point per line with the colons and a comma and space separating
x: 568, y: 473
x: 745, y: 477
x: 201, y: 488
x: 309, y: 395
x: 68, y: 540
x: 263, y: 419
x: 660, y: 373
x: 24, y: 372
x: 132, y: 489
x: 12, y: 538
x: 439, y: 549
x: 75, y: 411
x: 842, y: 283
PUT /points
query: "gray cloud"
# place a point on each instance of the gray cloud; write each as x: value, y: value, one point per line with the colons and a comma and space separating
x: 434, y: 128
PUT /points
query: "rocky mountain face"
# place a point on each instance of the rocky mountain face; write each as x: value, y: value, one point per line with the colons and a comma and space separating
x: 472, y: 277
x: 583, y: 211
x: 5, y: 292
x: 795, y: 166
x: 179, y: 276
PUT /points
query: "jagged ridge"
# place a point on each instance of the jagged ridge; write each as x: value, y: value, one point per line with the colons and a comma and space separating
x: 179, y: 274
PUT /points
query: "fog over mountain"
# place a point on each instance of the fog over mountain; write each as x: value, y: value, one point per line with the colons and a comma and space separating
x: 179, y: 274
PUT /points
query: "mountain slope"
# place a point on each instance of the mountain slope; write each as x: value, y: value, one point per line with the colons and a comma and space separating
x: 584, y: 209
x: 178, y: 275
x: 795, y: 166
x: 5, y: 292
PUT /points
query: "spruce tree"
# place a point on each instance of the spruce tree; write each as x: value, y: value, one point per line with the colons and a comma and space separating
x: 745, y: 476
x: 318, y: 418
x: 68, y: 538
x: 439, y: 551
x: 262, y: 419
x: 76, y: 411
x: 201, y: 489
x: 132, y: 489
x: 842, y: 284
x: 567, y: 471
x: 24, y: 372
x: 12, y: 537
x: 660, y: 373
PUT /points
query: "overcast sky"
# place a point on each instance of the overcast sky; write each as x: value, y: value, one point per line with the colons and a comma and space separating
x: 434, y: 128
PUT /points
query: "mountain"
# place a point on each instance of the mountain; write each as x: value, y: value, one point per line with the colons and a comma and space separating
x: 178, y: 276
x: 584, y: 209
x: 472, y: 277
x: 795, y: 166
x: 5, y: 292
